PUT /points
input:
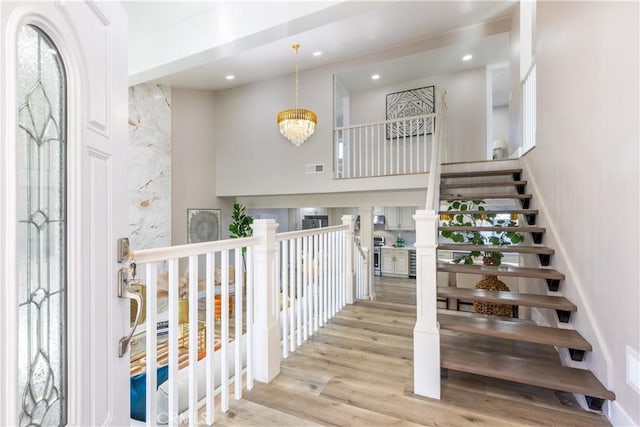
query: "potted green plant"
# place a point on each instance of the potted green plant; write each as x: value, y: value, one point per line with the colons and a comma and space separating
x: 240, y: 227
x: 472, y: 213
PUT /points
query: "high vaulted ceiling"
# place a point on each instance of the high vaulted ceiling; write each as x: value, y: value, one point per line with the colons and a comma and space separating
x: 197, y: 44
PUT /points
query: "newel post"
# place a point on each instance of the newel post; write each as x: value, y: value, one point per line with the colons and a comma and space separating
x: 426, y: 334
x: 349, y: 274
x: 266, y: 333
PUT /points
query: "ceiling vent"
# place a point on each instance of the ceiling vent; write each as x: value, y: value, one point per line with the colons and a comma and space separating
x: 315, y: 168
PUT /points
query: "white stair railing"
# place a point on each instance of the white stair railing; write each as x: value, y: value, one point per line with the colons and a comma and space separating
x: 312, y: 281
x: 529, y: 110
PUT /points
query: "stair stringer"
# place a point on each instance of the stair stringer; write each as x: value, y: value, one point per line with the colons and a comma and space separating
x: 572, y: 288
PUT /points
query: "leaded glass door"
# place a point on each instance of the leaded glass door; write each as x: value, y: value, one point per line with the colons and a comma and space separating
x: 62, y: 207
x: 41, y: 229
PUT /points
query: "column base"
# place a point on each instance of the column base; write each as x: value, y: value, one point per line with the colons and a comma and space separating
x: 426, y: 363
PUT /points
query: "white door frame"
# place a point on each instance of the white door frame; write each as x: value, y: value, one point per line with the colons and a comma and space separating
x: 91, y: 38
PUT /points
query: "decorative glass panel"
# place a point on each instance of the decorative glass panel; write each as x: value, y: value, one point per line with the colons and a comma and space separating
x: 41, y: 231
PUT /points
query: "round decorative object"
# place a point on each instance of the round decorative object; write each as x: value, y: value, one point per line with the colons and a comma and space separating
x: 491, y: 282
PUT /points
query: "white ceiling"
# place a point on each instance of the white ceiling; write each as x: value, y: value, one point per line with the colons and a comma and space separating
x: 341, y: 30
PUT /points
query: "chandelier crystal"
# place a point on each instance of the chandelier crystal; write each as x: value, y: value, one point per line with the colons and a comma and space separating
x: 297, y: 124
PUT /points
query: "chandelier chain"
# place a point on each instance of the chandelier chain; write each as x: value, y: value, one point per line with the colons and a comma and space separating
x: 296, y: 47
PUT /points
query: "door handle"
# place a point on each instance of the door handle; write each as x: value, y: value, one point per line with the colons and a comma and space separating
x: 124, y: 291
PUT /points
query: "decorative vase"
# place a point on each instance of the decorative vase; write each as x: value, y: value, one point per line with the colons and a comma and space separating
x: 490, y: 282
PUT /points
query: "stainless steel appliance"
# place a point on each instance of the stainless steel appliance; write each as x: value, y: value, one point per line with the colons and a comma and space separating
x: 378, y: 222
x: 315, y: 221
x: 378, y: 243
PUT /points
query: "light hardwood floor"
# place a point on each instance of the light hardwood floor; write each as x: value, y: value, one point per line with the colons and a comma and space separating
x: 357, y: 371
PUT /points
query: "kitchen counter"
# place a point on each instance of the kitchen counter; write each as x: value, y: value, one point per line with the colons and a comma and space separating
x: 409, y: 248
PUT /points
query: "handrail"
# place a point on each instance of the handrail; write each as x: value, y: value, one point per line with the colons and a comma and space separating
x: 384, y: 122
x: 433, y: 186
x: 180, y: 251
x: 313, y: 231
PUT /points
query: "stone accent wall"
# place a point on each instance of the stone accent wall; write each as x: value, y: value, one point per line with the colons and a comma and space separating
x: 149, y: 166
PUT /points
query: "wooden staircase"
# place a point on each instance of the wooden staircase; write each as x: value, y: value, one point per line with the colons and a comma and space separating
x: 507, y: 185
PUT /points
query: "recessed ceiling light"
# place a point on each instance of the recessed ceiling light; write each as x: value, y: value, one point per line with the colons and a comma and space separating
x: 467, y: 57
x: 230, y: 77
x: 317, y: 53
x: 375, y: 76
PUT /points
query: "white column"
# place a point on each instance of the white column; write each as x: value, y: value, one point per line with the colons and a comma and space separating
x: 266, y: 332
x: 426, y: 334
x: 349, y: 272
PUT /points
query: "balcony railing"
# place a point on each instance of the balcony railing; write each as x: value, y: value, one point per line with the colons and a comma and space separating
x: 390, y: 147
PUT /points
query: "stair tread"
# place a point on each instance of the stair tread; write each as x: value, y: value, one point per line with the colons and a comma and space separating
x: 502, y: 270
x: 524, y: 371
x: 465, y: 174
x: 482, y: 184
x: 495, y: 211
x: 518, y: 229
x: 486, y: 196
x: 513, y: 329
x: 514, y: 298
x: 522, y: 249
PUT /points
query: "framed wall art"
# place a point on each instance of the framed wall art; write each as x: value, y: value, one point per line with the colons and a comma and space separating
x: 203, y: 225
x: 408, y: 103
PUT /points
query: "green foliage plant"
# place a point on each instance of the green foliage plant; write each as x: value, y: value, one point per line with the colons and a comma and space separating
x: 472, y: 213
x: 240, y: 226
x: 240, y: 222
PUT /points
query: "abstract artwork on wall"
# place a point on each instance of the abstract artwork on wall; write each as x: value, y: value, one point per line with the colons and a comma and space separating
x: 203, y: 225
x: 409, y: 103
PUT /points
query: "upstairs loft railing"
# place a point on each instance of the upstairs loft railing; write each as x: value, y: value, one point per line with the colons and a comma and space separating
x: 529, y: 110
x: 390, y: 147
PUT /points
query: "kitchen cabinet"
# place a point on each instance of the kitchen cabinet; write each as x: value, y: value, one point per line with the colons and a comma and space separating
x: 395, y: 262
x: 400, y: 218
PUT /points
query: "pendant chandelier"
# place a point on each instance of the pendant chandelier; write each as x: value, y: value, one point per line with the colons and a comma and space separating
x: 297, y: 124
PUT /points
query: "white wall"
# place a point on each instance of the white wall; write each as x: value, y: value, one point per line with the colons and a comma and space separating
x: 466, y: 100
x: 254, y: 159
x: 149, y: 182
x: 193, y: 160
x: 585, y: 175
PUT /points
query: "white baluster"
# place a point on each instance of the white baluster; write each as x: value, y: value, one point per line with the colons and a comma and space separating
x: 172, y: 283
x: 210, y: 338
x: 224, y: 331
x: 299, y: 290
x: 292, y: 293
x: 250, y: 299
x: 238, y: 323
x: 193, y: 339
x: 152, y: 348
x: 284, y: 274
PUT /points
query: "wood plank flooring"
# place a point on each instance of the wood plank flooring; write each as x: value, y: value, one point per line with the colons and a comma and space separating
x: 358, y: 371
